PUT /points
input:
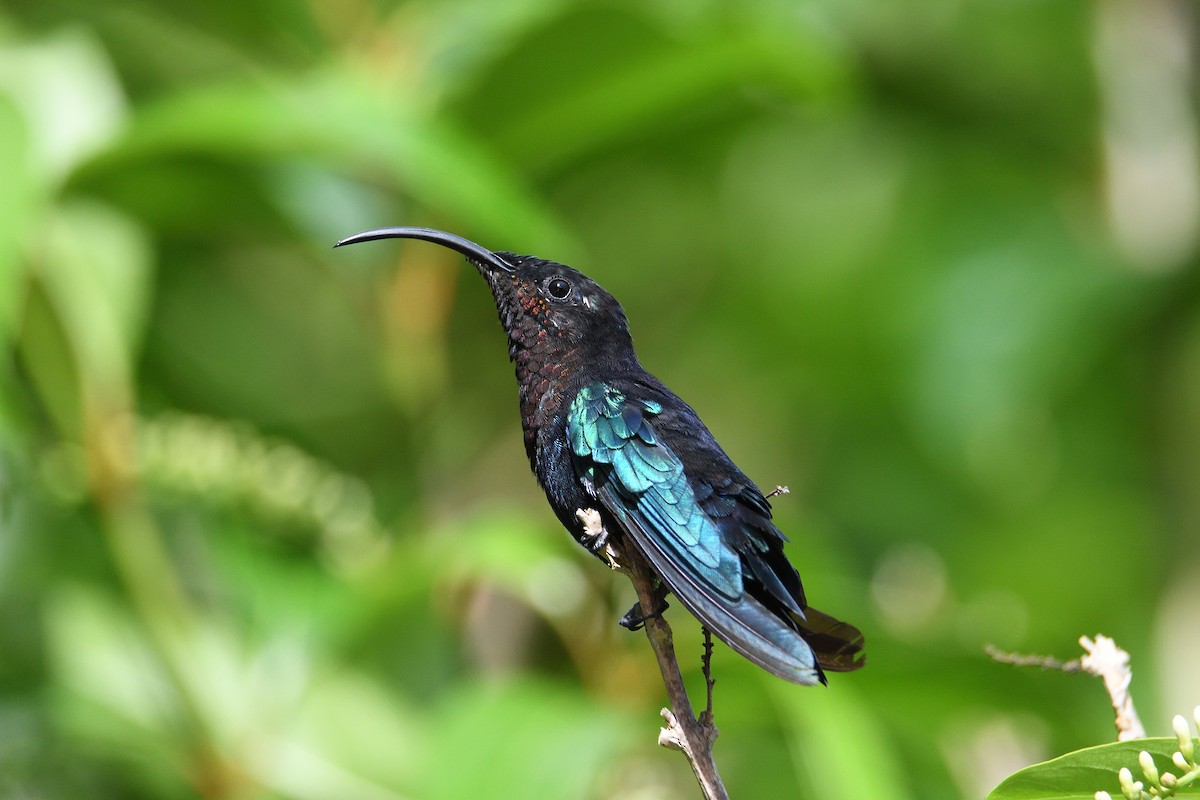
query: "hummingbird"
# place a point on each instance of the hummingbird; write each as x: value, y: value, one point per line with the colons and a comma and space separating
x: 602, y: 433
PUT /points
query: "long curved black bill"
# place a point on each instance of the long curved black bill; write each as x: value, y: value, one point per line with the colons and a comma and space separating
x: 455, y: 243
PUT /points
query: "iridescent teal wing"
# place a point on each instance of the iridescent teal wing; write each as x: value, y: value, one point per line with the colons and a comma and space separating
x: 691, y: 536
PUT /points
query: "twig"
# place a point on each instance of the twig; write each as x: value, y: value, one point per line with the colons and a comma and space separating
x: 684, y: 731
x: 1110, y: 663
x: 1018, y: 660
x: 706, y: 716
x: 1101, y: 658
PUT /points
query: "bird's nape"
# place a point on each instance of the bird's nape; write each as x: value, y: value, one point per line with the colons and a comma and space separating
x: 449, y: 240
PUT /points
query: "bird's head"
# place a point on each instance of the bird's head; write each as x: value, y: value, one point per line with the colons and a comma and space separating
x: 544, y: 306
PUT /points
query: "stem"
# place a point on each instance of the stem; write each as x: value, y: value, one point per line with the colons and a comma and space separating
x: 152, y: 584
x: 684, y: 731
x: 706, y: 716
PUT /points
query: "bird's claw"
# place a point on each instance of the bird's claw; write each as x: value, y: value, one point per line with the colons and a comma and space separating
x: 596, y: 541
x: 635, y: 619
x: 595, y: 536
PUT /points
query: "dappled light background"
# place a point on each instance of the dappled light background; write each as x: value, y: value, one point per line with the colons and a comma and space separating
x: 266, y: 525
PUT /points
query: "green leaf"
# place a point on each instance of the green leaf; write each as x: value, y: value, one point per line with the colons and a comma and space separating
x: 110, y: 693
x: 59, y: 102
x: 591, y: 99
x: 339, y: 117
x: 1079, y: 775
x: 83, y: 320
x: 70, y: 96
x: 96, y: 270
x: 17, y: 204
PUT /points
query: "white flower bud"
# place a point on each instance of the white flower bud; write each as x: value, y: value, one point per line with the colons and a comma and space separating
x: 1186, y: 746
x: 1103, y: 796
x: 1169, y: 780
x: 1180, y: 762
x: 1126, y: 779
x: 1148, y: 769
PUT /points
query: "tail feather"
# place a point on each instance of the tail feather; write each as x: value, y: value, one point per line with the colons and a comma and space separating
x: 838, y: 645
x: 752, y: 630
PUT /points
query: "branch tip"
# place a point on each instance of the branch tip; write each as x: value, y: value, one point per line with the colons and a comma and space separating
x: 1102, y: 658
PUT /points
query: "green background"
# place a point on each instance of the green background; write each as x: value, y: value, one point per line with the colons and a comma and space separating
x: 266, y: 525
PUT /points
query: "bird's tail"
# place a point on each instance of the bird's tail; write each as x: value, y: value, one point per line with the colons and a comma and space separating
x: 757, y: 633
x: 838, y: 645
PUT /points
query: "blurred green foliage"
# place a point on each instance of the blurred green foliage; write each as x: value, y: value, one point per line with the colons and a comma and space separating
x: 266, y: 529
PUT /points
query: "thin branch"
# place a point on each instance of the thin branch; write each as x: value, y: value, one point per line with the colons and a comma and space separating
x: 1044, y: 662
x: 684, y: 731
x: 1110, y: 663
x: 1102, y: 658
x: 706, y: 716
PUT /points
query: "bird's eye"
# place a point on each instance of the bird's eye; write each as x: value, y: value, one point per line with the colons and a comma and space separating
x: 558, y: 288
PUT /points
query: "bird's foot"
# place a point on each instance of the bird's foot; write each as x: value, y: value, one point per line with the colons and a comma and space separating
x: 595, y: 537
x: 635, y: 618
x: 597, y: 542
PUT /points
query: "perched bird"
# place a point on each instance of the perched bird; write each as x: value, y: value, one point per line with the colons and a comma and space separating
x: 603, y: 433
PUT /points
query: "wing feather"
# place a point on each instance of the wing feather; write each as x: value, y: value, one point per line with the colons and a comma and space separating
x: 685, y: 533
